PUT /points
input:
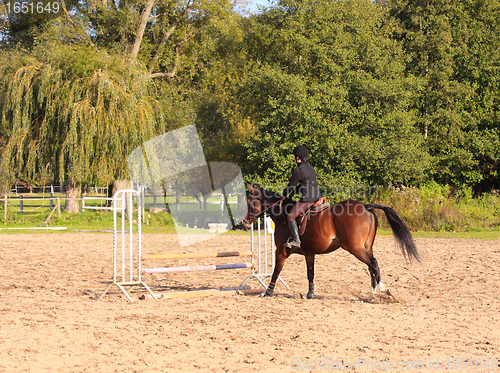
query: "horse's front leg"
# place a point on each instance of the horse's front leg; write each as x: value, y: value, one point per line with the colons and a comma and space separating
x: 310, y: 276
x: 281, y: 256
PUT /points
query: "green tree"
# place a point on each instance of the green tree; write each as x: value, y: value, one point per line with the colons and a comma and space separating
x: 101, y: 79
x: 329, y: 75
x: 73, y: 129
x: 477, y: 30
x: 453, y: 48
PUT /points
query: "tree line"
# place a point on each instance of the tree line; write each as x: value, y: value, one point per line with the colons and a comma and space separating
x: 396, y: 92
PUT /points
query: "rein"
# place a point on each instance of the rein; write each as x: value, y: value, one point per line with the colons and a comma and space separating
x: 256, y: 216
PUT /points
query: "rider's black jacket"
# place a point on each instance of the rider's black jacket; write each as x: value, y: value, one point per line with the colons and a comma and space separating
x: 304, y: 175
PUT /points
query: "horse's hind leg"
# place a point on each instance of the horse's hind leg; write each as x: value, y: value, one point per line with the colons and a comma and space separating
x: 375, y: 276
x: 367, y: 258
x: 310, y: 276
x: 372, y: 262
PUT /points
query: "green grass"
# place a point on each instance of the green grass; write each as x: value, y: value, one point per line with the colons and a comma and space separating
x: 163, y: 223
x: 92, y: 220
x: 486, y: 234
x: 436, y: 208
x: 491, y: 234
x: 89, y: 220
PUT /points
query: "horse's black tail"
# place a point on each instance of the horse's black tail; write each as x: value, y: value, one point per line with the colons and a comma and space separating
x: 401, y: 232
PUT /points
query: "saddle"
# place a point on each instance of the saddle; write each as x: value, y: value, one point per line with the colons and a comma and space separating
x: 318, y: 206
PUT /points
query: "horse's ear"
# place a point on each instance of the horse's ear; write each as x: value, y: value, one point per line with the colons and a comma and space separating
x: 250, y: 188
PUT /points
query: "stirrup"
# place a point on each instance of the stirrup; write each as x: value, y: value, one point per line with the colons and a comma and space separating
x: 291, y: 243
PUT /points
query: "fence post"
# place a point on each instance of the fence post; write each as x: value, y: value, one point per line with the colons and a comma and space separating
x: 51, y: 201
x: 58, y: 205
x: 5, y: 209
x: 21, y: 203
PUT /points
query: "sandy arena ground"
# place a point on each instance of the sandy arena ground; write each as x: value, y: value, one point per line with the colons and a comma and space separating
x: 443, y: 309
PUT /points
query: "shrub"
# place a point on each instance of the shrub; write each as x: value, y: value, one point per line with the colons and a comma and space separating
x: 434, y: 207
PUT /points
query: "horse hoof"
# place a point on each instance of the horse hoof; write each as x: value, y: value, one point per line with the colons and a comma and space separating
x: 266, y: 294
x: 308, y: 296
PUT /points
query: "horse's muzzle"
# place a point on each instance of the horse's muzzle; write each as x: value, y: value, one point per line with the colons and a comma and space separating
x: 246, y: 223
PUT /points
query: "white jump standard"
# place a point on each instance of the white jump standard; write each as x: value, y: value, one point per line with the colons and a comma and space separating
x: 263, y: 270
x: 260, y: 270
x: 121, y: 196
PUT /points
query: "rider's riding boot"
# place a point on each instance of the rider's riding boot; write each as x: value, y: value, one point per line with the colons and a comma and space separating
x: 295, y: 242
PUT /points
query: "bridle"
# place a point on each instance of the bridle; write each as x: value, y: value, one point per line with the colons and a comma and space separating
x: 253, y: 216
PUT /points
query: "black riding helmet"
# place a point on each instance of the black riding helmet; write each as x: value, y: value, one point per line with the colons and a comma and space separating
x: 300, y: 151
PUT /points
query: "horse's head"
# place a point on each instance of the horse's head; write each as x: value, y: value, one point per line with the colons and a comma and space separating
x: 258, y: 200
x: 254, y: 203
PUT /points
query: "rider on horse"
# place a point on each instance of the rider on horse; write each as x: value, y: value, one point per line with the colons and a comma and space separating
x: 304, y: 175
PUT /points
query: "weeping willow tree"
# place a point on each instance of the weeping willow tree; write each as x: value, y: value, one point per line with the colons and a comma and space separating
x: 73, y: 115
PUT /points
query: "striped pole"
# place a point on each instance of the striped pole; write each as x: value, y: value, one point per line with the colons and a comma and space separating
x: 215, y: 267
x: 222, y: 254
x: 258, y: 240
x: 252, y: 248
x: 240, y: 290
x: 265, y: 242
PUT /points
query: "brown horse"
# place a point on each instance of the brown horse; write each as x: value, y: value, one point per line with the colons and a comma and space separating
x: 350, y: 225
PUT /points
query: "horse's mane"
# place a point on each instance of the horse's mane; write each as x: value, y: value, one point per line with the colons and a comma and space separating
x: 268, y: 193
x: 276, y: 196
